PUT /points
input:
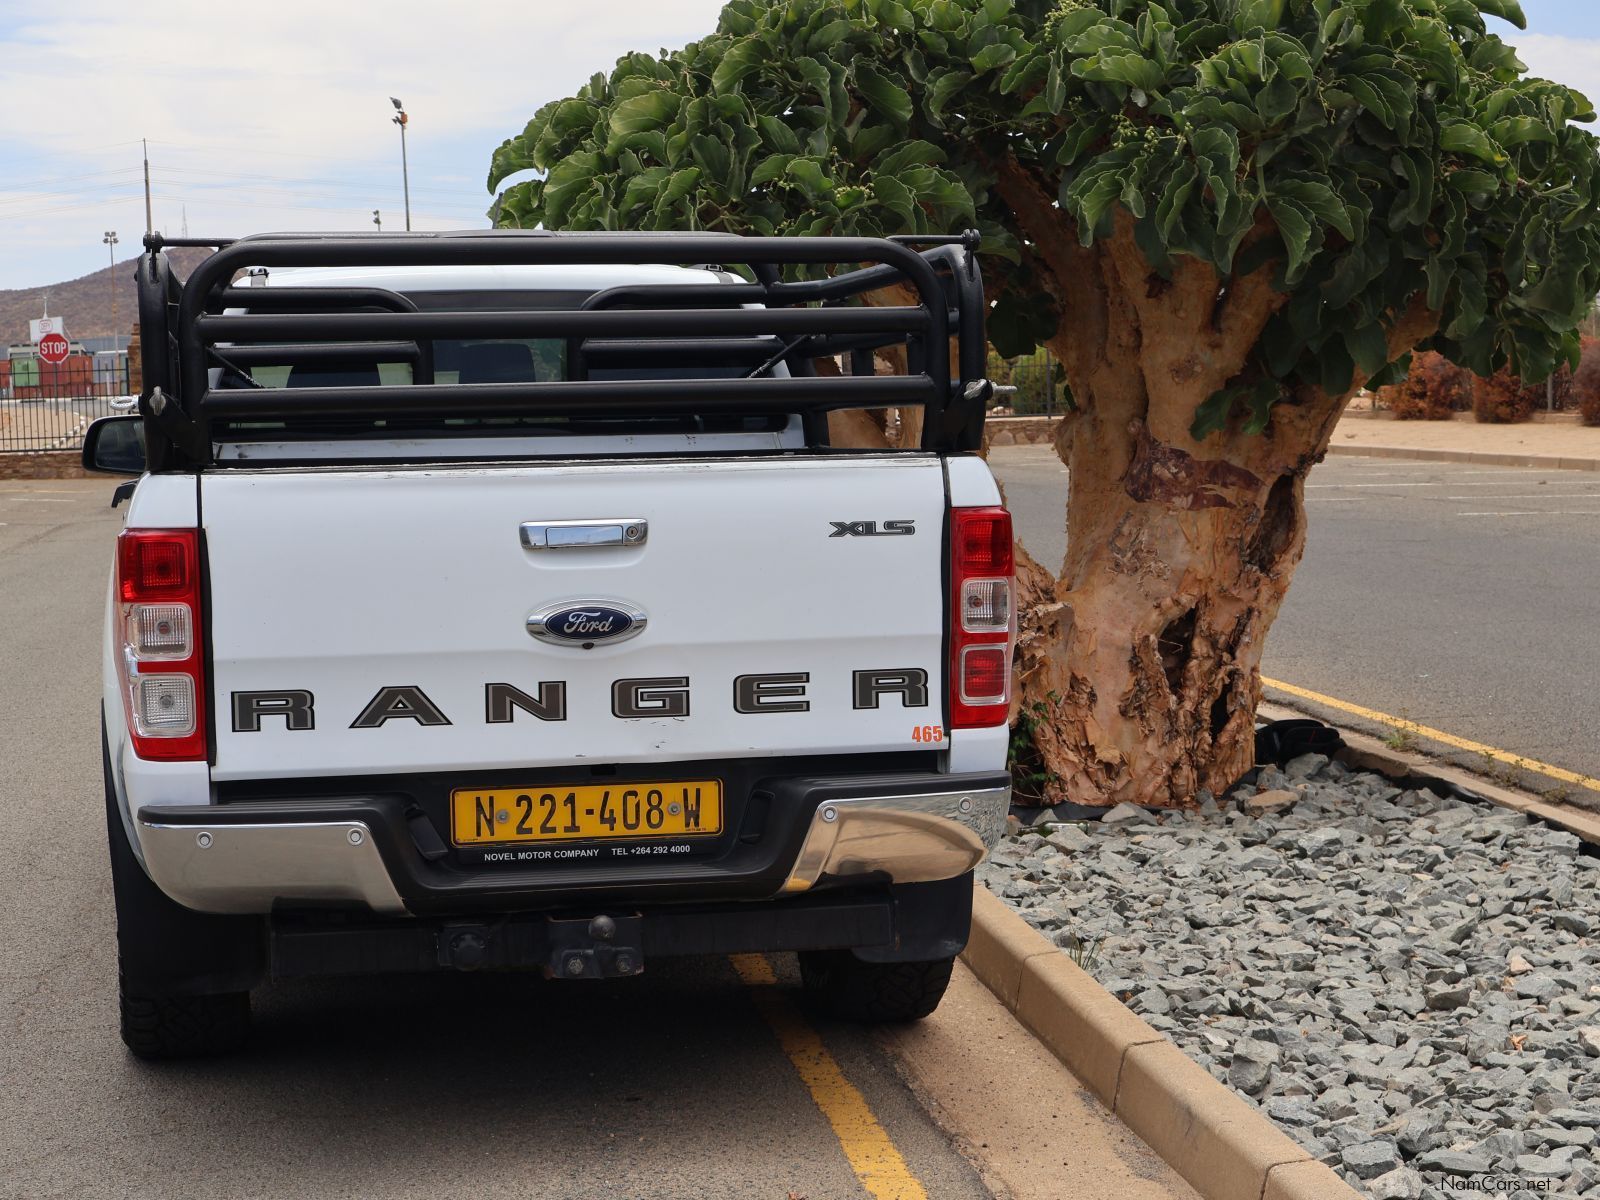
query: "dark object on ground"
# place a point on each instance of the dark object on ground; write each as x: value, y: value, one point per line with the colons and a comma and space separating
x: 842, y: 985
x: 1279, y: 741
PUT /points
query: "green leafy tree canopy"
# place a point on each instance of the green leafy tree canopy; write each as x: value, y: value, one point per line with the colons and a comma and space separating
x: 1376, y: 155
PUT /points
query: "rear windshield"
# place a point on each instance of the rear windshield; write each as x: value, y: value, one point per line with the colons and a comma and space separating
x: 500, y: 360
x: 480, y: 360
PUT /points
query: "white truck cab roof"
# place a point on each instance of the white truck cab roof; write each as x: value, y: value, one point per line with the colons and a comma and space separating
x: 528, y: 277
x: 554, y: 285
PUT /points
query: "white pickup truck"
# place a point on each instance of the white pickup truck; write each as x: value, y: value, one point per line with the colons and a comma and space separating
x: 497, y: 601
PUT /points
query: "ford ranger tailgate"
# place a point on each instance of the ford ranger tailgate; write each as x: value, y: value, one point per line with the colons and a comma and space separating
x: 380, y: 617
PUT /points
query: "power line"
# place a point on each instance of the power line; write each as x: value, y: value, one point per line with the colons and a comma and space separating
x: 375, y: 168
x: 51, y: 181
x: 35, y: 189
x: 203, y: 176
x: 230, y: 203
x: 201, y: 147
x: 287, y: 198
x: 79, y: 151
x: 52, y: 210
x: 449, y: 204
x: 357, y: 205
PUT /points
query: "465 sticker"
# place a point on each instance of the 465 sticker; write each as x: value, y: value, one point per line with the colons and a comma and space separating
x: 927, y: 733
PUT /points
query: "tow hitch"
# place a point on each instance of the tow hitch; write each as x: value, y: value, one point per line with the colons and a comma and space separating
x: 598, y: 947
x: 601, y: 947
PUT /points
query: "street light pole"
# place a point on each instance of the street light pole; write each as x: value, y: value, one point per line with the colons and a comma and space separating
x: 110, y: 240
x: 402, y: 120
x: 149, y: 223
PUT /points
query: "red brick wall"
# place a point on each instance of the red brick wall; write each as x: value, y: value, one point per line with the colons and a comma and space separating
x: 49, y: 464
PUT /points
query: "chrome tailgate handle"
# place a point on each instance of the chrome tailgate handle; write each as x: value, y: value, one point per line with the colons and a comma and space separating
x: 576, y: 535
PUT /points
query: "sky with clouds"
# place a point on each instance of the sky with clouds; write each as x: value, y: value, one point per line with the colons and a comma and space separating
x: 277, y: 115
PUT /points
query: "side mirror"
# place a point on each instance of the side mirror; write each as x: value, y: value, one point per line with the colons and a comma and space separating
x: 115, y: 445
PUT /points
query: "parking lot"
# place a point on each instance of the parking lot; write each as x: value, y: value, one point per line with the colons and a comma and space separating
x: 1450, y: 594
x: 702, y: 1078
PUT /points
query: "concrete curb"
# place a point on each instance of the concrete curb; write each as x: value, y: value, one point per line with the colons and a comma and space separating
x: 1367, y: 753
x: 1218, y: 1142
x: 1549, y: 462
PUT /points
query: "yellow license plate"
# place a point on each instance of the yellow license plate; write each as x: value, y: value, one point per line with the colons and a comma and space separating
x: 588, y: 811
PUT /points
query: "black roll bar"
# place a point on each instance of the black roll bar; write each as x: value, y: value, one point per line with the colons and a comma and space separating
x: 324, y: 354
x: 736, y: 324
x: 348, y: 326
x: 620, y: 397
x: 309, y: 299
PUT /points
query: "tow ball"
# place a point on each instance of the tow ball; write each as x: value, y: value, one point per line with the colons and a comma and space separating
x: 601, y: 947
x: 598, y: 947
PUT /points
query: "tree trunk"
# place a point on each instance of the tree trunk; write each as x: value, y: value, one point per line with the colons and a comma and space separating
x: 1141, y: 675
x: 1145, y: 680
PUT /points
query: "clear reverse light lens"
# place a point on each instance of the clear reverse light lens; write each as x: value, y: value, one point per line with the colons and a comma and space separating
x: 159, y: 630
x: 163, y: 705
x: 986, y: 605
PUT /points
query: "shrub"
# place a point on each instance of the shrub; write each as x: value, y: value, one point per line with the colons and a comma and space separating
x: 1560, y: 398
x: 1039, y: 381
x: 1586, y: 383
x: 1502, y: 398
x: 1434, y: 390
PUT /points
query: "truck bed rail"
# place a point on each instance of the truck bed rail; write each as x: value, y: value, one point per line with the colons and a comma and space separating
x: 750, y: 326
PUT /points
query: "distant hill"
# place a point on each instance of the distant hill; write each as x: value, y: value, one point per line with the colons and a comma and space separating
x: 85, y: 302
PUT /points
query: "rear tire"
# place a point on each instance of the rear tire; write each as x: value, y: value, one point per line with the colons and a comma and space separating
x: 183, y: 977
x: 160, y: 1027
x: 839, y: 984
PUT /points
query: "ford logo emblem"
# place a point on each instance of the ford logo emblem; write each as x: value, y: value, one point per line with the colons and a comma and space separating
x: 587, y: 623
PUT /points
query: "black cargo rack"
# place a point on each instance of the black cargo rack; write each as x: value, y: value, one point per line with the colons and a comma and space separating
x: 197, y: 354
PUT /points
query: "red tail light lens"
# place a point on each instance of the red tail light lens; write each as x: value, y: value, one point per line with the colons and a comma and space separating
x: 985, y: 675
x: 154, y: 565
x: 161, y: 664
x: 982, y: 616
x: 982, y: 542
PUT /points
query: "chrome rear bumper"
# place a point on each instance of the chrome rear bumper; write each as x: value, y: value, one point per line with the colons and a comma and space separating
x: 227, y: 868
x: 903, y: 839
x: 230, y: 859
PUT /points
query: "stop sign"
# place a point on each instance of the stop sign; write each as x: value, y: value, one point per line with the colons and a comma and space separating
x: 53, y: 348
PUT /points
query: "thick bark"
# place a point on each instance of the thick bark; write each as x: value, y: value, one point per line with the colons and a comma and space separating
x: 1141, y: 672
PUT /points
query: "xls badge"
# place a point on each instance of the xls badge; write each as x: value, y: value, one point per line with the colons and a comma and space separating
x: 872, y: 529
x: 586, y: 623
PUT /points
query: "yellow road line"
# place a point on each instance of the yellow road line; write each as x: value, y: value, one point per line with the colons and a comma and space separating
x: 1438, y: 735
x: 866, y: 1144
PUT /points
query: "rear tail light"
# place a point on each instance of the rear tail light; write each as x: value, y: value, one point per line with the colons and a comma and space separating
x: 163, y: 705
x: 982, y: 616
x: 160, y: 630
x: 160, y: 662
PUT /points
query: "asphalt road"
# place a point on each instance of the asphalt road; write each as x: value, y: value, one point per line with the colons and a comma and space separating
x: 1454, y: 595
x: 671, y: 1085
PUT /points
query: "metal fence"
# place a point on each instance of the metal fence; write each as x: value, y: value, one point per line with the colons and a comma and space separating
x: 44, y: 409
x: 50, y: 424
x: 1029, y: 386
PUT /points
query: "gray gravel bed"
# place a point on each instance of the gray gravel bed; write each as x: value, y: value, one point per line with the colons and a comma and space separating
x: 1407, y: 984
